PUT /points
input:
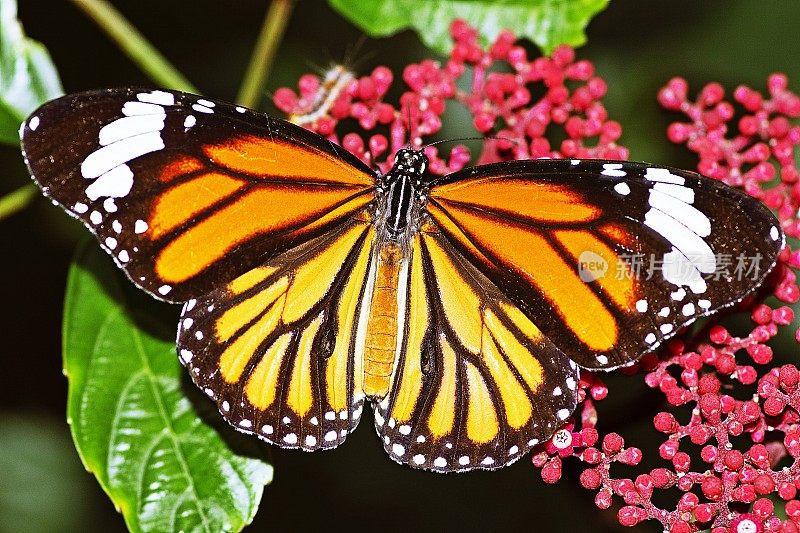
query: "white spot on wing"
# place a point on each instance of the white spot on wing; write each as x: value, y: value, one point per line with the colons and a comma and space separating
x: 126, y: 127
x: 108, y: 157
x: 189, y: 121
x: 96, y: 217
x: 650, y: 338
x: 80, y: 208
x: 440, y: 462
x: 622, y: 188
x: 613, y: 169
x: 641, y: 306
x: 684, y: 194
x: 164, y: 290
x: 140, y: 226
x: 678, y: 295
x: 157, y: 97
x: 130, y: 109
x: 773, y: 232
x: 291, y: 438
x: 398, y: 450
x: 681, y: 211
x: 114, y: 183
x: 207, y: 103
x: 201, y: 108
x: 664, y: 176
x: 33, y: 123
x: 311, y: 440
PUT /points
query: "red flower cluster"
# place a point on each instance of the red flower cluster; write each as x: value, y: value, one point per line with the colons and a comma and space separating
x: 500, y: 80
x: 744, y: 422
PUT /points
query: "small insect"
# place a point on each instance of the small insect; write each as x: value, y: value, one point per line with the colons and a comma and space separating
x: 459, y: 308
x: 334, y: 80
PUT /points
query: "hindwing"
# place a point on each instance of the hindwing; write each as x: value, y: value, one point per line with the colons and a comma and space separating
x: 276, y: 348
x: 477, y: 384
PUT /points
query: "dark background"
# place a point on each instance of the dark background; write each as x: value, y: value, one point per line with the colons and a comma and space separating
x: 636, y: 47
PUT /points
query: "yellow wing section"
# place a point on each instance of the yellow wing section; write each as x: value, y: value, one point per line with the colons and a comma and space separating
x: 477, y: 384
x: 276, y: 348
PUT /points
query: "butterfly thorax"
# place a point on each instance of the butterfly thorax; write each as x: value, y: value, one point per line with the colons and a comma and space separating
x: 401, y: 195
x: 400, y: 201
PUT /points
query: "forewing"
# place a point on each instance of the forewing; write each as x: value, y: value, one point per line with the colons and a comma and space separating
x: 185, y: 193
x: 477, y: 384
x: 609, y: 259
x: 276, y: 348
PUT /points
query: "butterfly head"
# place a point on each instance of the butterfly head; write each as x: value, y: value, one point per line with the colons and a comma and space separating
x: 411, y: 163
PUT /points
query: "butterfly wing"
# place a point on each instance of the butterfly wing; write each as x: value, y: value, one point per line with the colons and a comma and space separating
x: 477, y: 384
x: 608, y: 259
x: 172, y: 185
x: 276, y: 348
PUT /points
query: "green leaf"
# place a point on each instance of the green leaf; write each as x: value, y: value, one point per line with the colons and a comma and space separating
x: 134, y: 415
x: 547, y: 23
x: 28, y: 77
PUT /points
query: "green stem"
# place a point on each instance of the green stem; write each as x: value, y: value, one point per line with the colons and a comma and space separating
x: 135, y: 45
x: 17, y: 200
x: 260, y: 62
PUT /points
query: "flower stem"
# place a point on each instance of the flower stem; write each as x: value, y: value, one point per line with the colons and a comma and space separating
x: 17, y: 200
x: 135, y: 45
x: 260, y: 62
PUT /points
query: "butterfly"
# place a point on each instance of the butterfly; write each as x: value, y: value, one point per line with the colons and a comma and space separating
x: 458, y: 308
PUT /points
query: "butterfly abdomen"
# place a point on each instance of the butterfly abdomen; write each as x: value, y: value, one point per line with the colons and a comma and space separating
x: 381, y: 339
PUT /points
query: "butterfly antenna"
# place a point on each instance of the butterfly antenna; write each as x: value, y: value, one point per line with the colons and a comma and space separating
x: 470, y: 139
x: 408, y: 117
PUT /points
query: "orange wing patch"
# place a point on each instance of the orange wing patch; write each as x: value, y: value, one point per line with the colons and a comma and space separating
x: 274, y: 159
x: 179, y: 167
x: 614, y: 276
x: 183, y: 201
x: 547, y: 202
x: 263, y: 187
x: 543, y: 267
